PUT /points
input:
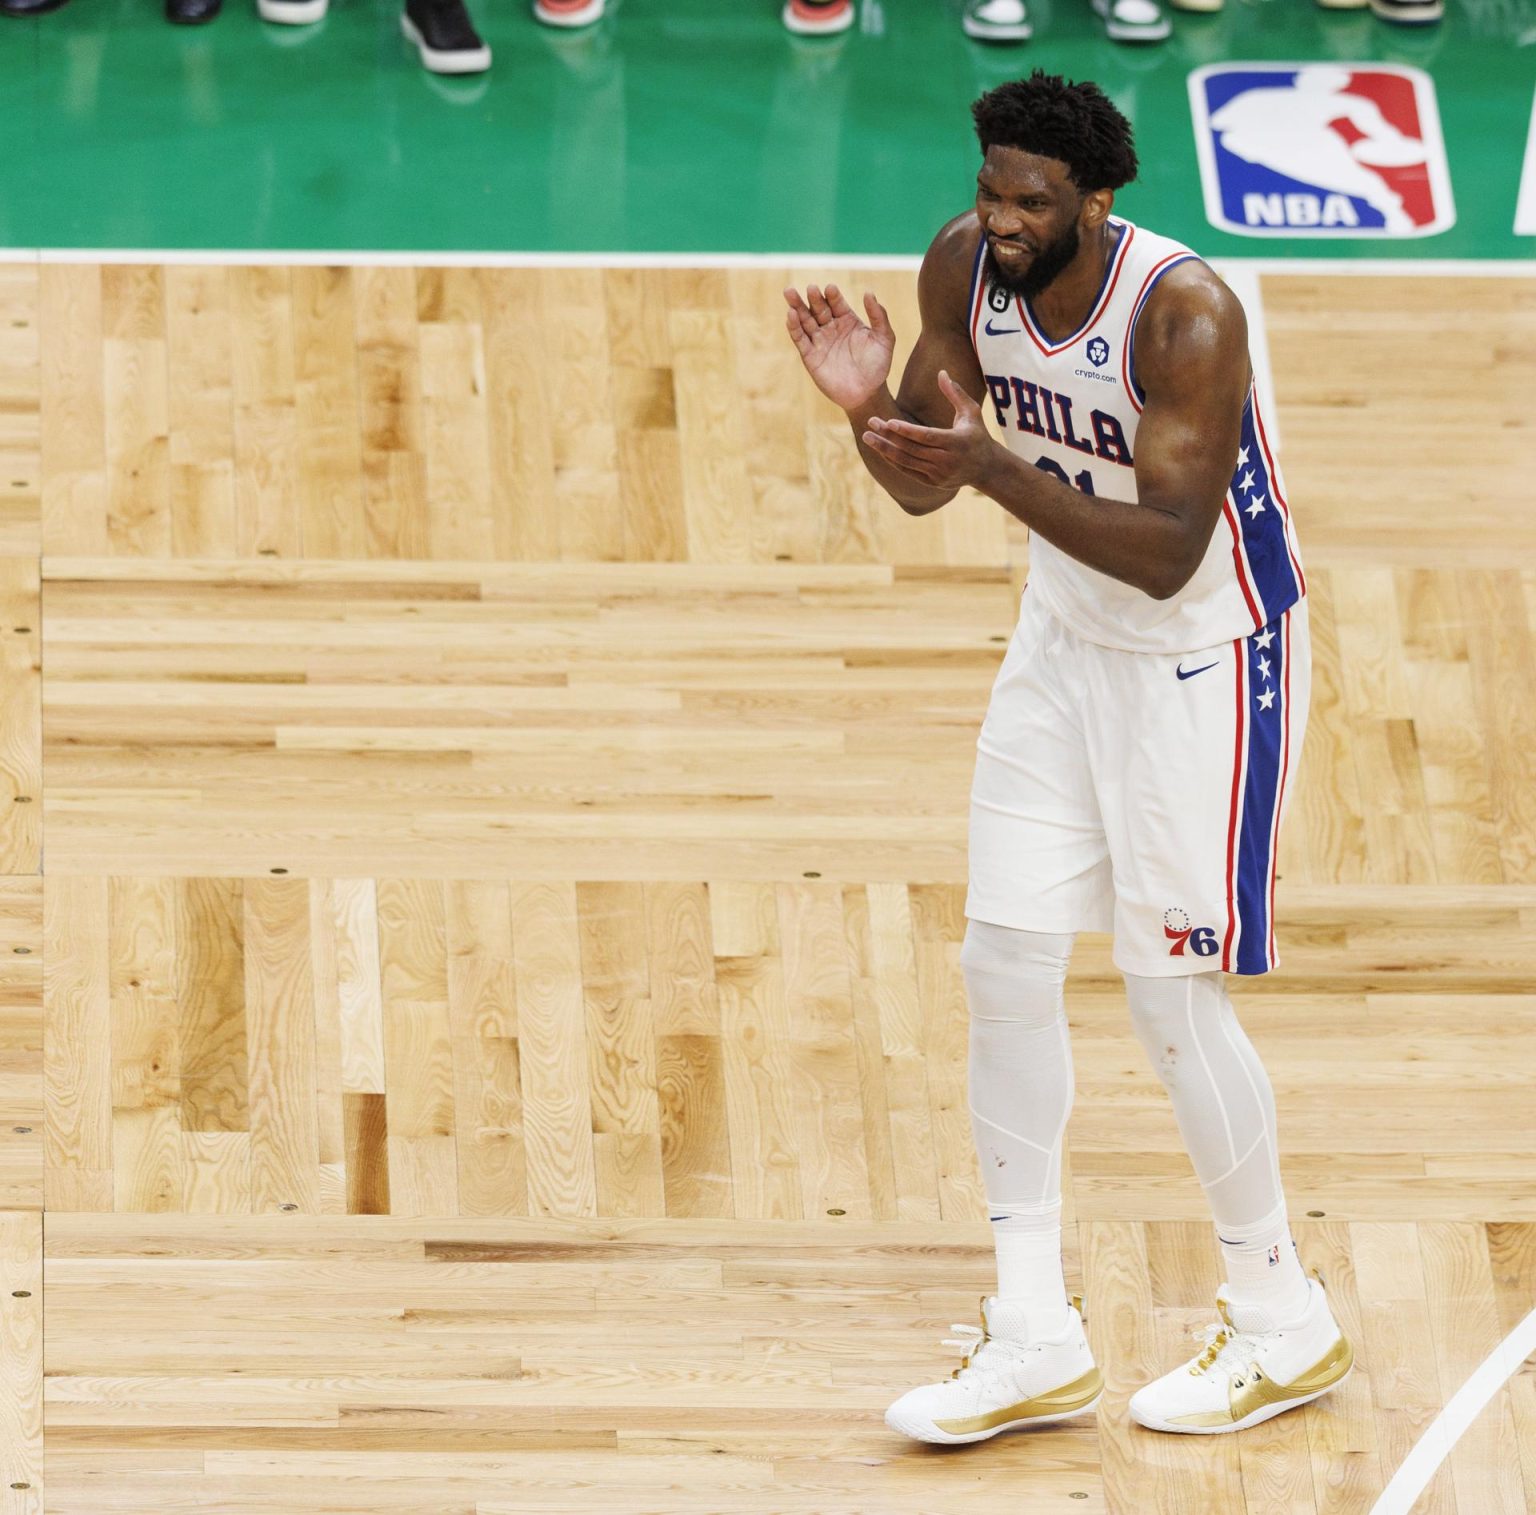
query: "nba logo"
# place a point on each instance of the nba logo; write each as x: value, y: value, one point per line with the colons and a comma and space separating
x: 1320, y: 150
x: 1274, y: 1257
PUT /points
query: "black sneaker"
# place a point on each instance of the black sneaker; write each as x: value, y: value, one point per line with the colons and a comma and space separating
x: 444, y: 36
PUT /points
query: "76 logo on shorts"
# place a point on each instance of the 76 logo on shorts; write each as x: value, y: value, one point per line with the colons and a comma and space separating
x: 1201, y: 940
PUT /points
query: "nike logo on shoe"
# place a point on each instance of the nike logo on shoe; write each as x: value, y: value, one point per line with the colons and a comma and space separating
x: 1006, y: 331
x: 1189, y: 674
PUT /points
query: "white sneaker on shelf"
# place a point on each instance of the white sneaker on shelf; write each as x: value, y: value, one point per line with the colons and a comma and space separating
x: 996, y: 21
x: 1133, y: 20
x: 1409, y: 12
x: 291, y: 12
x: 1006, y: 1380
x: 1253, y: 1367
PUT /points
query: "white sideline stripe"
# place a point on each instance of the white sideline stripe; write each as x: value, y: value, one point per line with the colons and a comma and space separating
x: 1525, y: 204
x: 1491, y: 268
x: 346, y: 257
x: 1466, y: 1404
x: 1243, y: 281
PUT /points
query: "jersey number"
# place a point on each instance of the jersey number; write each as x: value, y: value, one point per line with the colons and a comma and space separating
x: 1084, y: 480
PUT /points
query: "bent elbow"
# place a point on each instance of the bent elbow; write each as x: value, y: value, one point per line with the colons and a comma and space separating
x: 923, y: 507
x: 1166, y: 582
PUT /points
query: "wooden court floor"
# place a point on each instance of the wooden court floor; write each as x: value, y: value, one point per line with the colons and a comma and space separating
x: 483, y: 821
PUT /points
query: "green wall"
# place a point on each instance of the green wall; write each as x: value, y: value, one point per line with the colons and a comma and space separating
x: 689, y: 125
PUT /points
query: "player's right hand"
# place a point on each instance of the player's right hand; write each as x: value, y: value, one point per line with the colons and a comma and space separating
x: 848, y: 360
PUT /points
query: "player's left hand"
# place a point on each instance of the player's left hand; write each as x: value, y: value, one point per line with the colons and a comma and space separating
x: 946, y: 457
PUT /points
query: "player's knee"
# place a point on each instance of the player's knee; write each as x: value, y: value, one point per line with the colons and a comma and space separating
x: 1038, y: 957
x: 1162, y: 1012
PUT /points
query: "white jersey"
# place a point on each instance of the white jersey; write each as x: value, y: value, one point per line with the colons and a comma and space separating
x: 1072, y: 407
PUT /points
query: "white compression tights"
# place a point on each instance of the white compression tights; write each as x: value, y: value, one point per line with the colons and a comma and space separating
x: 1221, y: 1094
x: 1225, y: 1108
x: 1021, y: 1091
x: 1021, y: 1094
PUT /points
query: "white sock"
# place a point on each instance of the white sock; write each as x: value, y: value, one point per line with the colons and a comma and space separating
x: 1263, y: 1268
x: 1020, y: 1085
x: 1225, y: 1108
x: 1030, y: 1285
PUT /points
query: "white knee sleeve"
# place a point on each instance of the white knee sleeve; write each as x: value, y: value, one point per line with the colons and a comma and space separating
x: 1222, y: 1098
x: 1020, y: 1070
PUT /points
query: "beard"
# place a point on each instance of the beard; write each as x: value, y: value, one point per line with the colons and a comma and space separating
x: 1043, y: 268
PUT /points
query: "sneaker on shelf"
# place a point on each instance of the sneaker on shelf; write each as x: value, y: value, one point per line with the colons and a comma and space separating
x: 997, y: 21
x: 444, y: 36
x: 818, y: 18
x: 291, y: 12
x: 1253, y: 1367
x: 1007, y: 1379
x: 568, y: 12
x: 1133, y: 20
x: 1409, y: 12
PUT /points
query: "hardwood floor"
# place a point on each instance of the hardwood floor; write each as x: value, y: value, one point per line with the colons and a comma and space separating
x: 483, y: 814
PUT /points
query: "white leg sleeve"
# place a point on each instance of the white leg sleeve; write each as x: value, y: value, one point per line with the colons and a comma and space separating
x: 1225, y: 1107
x: 1222, y: 1098
x: 1020, y: 1063
x: 1020, y: 1097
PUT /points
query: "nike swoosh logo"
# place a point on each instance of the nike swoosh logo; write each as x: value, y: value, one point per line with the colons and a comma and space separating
x: 1193, y: 671
x: 1007, y: 331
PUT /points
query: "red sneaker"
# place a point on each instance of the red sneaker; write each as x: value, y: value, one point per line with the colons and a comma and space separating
x: 568, y: 12
x: 818, y: 18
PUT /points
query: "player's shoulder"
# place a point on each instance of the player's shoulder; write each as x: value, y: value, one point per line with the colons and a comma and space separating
x: 955, y: 242
x: 1192, y: 291
x: 949, y: 263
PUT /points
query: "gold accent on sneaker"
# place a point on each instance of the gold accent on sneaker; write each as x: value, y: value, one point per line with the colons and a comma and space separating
x: 1063, y: 1401
x: 1254, y: 1391
x: 1076, y: 1302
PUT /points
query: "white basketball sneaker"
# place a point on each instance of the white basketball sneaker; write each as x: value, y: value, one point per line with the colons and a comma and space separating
x: 1252, y: 1368
x: 1006, y: 1380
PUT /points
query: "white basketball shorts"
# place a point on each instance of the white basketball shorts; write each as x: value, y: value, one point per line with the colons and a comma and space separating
x: 1140, y: 793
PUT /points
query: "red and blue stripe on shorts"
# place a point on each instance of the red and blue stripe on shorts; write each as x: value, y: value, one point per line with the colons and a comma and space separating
x: 1260, y: 769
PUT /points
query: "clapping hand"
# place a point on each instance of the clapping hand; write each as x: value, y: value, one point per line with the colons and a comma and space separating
x: 944, y: 457
x: 848, y: 360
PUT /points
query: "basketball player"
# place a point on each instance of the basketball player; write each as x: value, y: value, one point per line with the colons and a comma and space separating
x: 1141, y: 737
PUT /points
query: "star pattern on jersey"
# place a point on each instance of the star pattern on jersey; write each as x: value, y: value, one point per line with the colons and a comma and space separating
x: 1263, y: 670
x: 1242, y: 457
x: 1246, y: 482
x: 1255, y: 506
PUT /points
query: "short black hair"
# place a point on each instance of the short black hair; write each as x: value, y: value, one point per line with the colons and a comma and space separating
x: 1077, y: 124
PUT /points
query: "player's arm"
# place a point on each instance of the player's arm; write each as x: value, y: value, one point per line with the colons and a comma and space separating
x: 943, y: 346
x: 850, y: 361
x: 1192, y: 364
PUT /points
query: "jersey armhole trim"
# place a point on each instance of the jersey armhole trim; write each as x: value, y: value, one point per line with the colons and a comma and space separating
x: 978, y: 287
x: 1127, y: 362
